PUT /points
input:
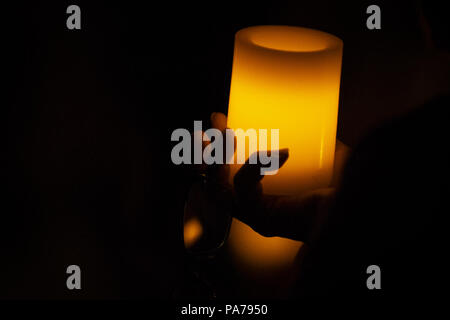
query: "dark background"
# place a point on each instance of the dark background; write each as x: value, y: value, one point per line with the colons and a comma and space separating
x: 86, y: 176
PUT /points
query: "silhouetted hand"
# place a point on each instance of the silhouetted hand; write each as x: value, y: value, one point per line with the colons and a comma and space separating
x: 295, y: 217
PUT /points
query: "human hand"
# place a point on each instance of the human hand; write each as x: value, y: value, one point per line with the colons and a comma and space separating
x: 294, y: 217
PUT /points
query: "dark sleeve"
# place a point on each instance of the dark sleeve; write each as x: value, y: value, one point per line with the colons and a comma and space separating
x: 391, y: 211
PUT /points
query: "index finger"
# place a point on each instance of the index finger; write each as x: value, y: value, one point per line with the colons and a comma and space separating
x: 219, y: 121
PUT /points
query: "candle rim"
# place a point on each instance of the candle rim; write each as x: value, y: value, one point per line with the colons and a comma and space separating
x: 331, y: 41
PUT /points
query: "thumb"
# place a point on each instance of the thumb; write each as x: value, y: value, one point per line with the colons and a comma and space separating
x: 249, y: 175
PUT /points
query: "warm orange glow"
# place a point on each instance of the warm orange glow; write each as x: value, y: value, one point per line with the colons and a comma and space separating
x: 286, y: 78
x: 261, y: 251
x: 193, y: 230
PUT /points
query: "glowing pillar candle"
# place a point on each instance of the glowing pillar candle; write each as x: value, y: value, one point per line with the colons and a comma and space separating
x: 286, y: 78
